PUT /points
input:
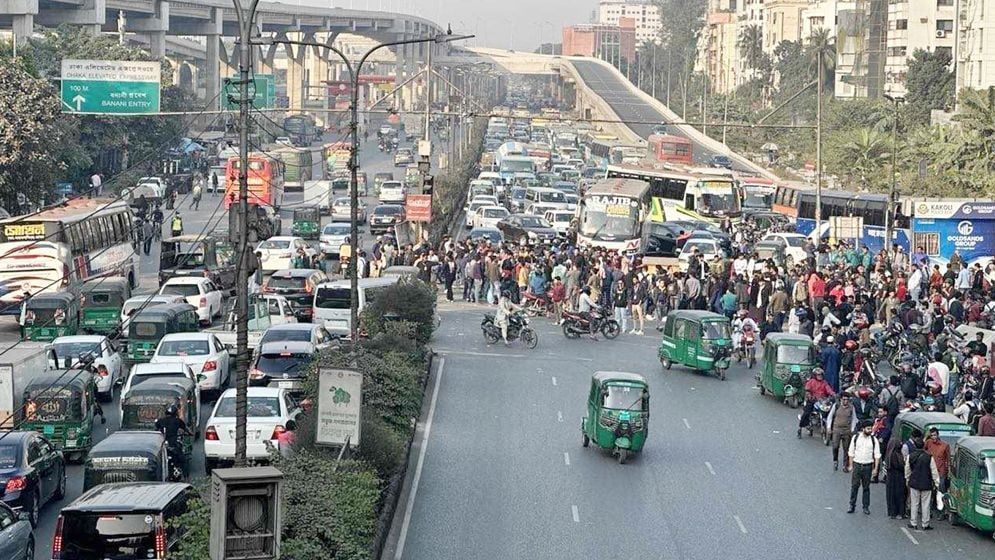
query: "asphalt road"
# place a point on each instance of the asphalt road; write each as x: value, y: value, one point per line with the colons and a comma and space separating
x: 502, y: 473
x: 373, y: 161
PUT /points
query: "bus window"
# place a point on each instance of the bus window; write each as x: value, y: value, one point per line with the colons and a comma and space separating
x: 689, y: 202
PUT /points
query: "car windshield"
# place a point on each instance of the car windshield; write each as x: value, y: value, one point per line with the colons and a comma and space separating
x: 758, y: 201
x: 795, y: 241
x: 184, y: 348
x: 285, y: 282
x: 518, y: 194
x: 386, y: 210
x: 275, y: 244
x: 801, y: 355
x: 716, y: 330
x: 283, y: 363
x: 286, y: 335
x: 534, y: 222
x: 495, y: 213
x: 624, y: 397
x: 9, y: 455
x: 73, y: 349
x: 259, y: 407
x: 609, y: 218
x: 336, y: 229
x: 184, y: 290
x: 552, y: 197
x: 107, y: 535
x: 332, y: 298
x: 707, y: 247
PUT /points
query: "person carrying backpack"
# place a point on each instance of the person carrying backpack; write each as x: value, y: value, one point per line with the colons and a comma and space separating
x: 892, y: 397
x: 969, y: 411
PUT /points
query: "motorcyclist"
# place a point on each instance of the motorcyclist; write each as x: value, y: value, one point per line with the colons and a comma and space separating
x: 585, y: 305
x: 504, y: 314
x: 172, y: 426
x: 157, y: 218
x: 743, y: 324
x: 816, y: 388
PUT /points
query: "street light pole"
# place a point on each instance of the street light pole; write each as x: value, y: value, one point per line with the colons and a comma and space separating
x: 889, y: 218
x: 818, y: 149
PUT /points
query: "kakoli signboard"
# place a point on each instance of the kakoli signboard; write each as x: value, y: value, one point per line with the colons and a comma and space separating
x: 340, y: 404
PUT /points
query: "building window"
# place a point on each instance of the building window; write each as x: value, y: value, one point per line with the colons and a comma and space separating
x: 896, y: 51
x: 945, y: 25
x: 943, y: 3
x: 901, y: 24
x: 948, y: 50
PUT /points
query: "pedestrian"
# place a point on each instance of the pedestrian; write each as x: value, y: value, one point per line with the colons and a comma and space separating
x: 864, y: 457
x: 214, y: 183
x: 148, y: 234
x: 637, y: 297
x: 196, y: 194
x: 940, y: 451
x: 895, y: 485
x: 557, y: 294
x: 841, y: 421
x: 922, y: 478
x: 620, y: 299
x: 448, y: 273
x: 96, y: 185
x: 469, y: 293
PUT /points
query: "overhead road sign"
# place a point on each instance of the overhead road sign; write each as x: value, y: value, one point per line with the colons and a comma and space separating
x: 262, y: 92
x: 110, y: 87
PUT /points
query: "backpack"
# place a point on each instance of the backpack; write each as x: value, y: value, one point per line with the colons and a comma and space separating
x: 973, y: 415
x: 889, y: 400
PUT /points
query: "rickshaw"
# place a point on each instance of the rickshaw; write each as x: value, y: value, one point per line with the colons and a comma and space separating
x: 950, y: 427
x: 618, y: 412
x: 127, y: 457
x: 700, y: 340
x: 970, y: 498
x: 49, y: 315
x: 61, y: 405
x: 146, y: 402
x: 147, y: 328
x: 307, y: 222
x: 102, y: 300
x: 787, y: 360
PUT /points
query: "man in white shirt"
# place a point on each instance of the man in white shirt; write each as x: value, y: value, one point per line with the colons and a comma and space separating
x: 97, y: 184
x: 864, y: 456
x: 964, y: 279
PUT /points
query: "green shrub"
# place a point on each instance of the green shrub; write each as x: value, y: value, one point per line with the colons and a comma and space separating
x: 381, y: 446
x: 197, y: 524
x: 409, y: 300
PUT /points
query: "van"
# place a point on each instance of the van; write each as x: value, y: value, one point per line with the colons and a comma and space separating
x: 391, y: 192
x: 544, y: 197
x: 122, y: 520
x: 332, y: 301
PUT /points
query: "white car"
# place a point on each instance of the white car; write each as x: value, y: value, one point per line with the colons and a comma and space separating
x: 132, y: 305
x: 313, y: 333
x: 486, y: 198
x: 160, y: 371
x: 106, y: 359
x: 280, y: 310
x: 200, y: 293
x: 341, y: 210
x: 269, y: 410
x: 489, y: 216
x: 278, y: 252
x: 285, y: 140
x: 471, y: 210
x: 793, y: 244
x: 560, y: 219
x: 332, y: 237
x: 203, y: 352
x: 391, y: 192
x: 707, y: 247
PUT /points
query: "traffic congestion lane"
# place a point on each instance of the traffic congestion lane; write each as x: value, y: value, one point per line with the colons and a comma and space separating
x: 505, y: 475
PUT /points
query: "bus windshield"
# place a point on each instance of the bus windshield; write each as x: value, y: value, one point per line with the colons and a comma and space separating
x: 515, y: 166
x: 717, y: 198
x: 609, y: 218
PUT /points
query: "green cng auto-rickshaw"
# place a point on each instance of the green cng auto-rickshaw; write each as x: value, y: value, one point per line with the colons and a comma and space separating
x: 787, y: 360
x: 147, y: 328
x: 307, y: 222
x: 61, y: 405
x: 49, y: 315
x: 971, y: 495
x: 950, y: 427
x: 618, y: 412
x: 127, y: 457
x: 145, y: 403
x: 700, y: 340
x: 102, y: 300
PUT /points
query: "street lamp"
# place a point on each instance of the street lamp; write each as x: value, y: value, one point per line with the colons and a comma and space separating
x: 897, y: 98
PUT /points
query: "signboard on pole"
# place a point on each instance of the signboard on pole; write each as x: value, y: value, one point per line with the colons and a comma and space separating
x: 110, y: 87
x: 262, y: 91
x: 340, y: 404
x: 846, y: 227
x: 7, y: 397
x: 418, y: 208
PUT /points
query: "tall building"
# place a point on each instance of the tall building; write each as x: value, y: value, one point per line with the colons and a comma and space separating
x: 718, y: 54
x: 913, y: 25
x: 645, y: 14
x: 611, y: 43
x: 861, y: 39
x: 819, y: 14
x: 782, y: 22
x: 973, y: 56
x: 749, y: 13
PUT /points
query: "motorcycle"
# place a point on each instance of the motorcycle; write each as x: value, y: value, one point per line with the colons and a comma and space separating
x: 176, y: 471
x: 518, y: 329
x: 747, y: 348
x: 575, y: 324
x: 535, y: 306
x: 820, y: 414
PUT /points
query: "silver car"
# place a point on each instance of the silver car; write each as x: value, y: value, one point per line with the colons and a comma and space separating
x: 342, y: 210
x: 332, y: 237
x: 16, y: 541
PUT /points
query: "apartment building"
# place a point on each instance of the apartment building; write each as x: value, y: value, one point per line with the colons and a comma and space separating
x: 974, y: 52
x: 718, y: 53
x: 783, y: 21
x: 611, y: 43
x: 913, y: 25
x: 645, y: 14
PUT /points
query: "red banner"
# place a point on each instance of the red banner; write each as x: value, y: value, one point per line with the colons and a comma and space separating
x: 418, y: 208
x: 375, y: 79
x: 339, y: 88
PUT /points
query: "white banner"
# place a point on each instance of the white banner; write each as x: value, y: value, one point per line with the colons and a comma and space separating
x: 340, y: 404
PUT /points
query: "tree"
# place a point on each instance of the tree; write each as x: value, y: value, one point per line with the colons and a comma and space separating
x: 930, y: 85
x: 678, y: 50
x: 977, y: 114
x: 862, y: 155
x: 821, y: 46
x: 751, y: 45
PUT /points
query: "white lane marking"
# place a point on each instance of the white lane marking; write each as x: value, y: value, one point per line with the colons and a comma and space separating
x: 559, y: 416
x: 710, y: 468
x: 554, y: 380
x: 686, y: 424
x: 566, y: 458
x: 421, y: 462
x: 909, y: 535
x: 486, y: 354
x: 576, y: 514
x: 742, y: 528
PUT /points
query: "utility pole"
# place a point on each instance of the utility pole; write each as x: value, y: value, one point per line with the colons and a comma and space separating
x: 818, y: 149
x: 889, y: 218
x: 428, y: 93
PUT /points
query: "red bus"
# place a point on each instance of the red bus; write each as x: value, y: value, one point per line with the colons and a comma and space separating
x: 786, y: 199
x: 670, y: 149
x: 265, y: 178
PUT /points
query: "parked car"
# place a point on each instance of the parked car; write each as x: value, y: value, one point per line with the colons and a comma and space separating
x: 297, y: 285
x: 385, y: 217
x: 200, y: 293
x: 33, y: 473
x: 342, y: 210
x: 332, y: 237
x: 269, y: 411
x: 206, y: 356
x: 107, y: 359
x: 531, y: 229
x: 16, y: 540
x: 278, y: 252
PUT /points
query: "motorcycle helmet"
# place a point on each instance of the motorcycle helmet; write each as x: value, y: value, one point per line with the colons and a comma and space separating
x: 850, y: 345
x: 171, y: 410
x: 801, y: 312
x: 864, y: 393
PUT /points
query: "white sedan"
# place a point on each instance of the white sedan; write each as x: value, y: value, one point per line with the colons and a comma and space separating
x: 199, y: 292
x: 269, y: 411
x: 203, y: 352
x: 333, y: 236
x: 560, y: 219
x: 278, y: 252
x: 489, y: 216
x: 107, y: 360
x: 794, y: 246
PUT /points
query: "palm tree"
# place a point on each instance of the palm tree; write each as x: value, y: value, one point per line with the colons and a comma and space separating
x: 822, y: 45
x: 866, y: 151
x: 751, y: 45
x: 977, y: 114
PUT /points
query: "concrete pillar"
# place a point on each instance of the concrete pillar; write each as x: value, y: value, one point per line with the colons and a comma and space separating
x: 23, y: 26
x: 155, y: 26
x: 212, y: 67
x: 295, y: 77
x: 157, y: 44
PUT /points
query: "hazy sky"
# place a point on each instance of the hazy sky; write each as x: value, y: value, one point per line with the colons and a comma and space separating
x: 497, y: 23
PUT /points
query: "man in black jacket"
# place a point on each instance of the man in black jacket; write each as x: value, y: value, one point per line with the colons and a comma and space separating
x: 922, y: 478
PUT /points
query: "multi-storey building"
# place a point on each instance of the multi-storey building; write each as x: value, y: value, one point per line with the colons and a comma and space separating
x: 645, y: 14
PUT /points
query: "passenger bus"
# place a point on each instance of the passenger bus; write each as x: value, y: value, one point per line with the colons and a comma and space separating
x: 667, y: 148
x: 265, y: 178
x: 336, y: 156
x: 611, y: 214
x: 682, y: 193
x: 301, y: 129
x: 872, y: 210
x: 59, y: 249
x: 786, y: 200
x: 756, y: 193
x: 298, y: 166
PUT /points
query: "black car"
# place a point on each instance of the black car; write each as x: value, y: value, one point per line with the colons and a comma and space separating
x: 720, y: 160
x: 705, y: 229
x: 32, y: 472
x: 281, y: 364
x: 532, y: 229
x: 490, y: 234
x: 297, y: 285
x: 385, y: 217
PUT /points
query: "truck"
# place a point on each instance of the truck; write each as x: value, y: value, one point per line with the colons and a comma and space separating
x: 319, y: 193
x: 19, y: 364
x: 301, y: 129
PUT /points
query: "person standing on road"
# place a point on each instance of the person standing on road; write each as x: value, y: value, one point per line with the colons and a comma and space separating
x: 864, y: 457
x: 148, y: 233
x: 197, y: 192
x: 842, y: 420
x: 895, y: 485
x: 176, y: 226
x: 96, y: 185
x: 922, y: 478
x: 940, y: 451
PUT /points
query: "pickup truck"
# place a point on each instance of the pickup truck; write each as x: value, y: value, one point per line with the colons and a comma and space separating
x: 264, y: 312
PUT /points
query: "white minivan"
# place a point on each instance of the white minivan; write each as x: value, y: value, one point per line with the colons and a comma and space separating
x: 391, y: 192
x: 332, y: 301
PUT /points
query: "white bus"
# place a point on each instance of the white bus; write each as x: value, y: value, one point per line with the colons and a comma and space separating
x: 611, y: 214
x: 60, y: 248
x: 685, y: 193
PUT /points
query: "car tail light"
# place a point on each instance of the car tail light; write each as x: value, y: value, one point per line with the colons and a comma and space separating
x: 16, y: 484
x: 160, y: 540
x: 203, y: 302
x: 210, y: 434
x: 57, y: 540
x: 210, y: 365
x: 277, y: 430
x: 102, y: 371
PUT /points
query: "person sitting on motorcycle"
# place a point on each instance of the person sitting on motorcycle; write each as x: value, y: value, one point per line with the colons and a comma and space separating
x: 864, y: 406
x: 172, y: 426
x: 585, y: 305
x: 504, y: 314
x: 816, y: 388
x: 741, y: 325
